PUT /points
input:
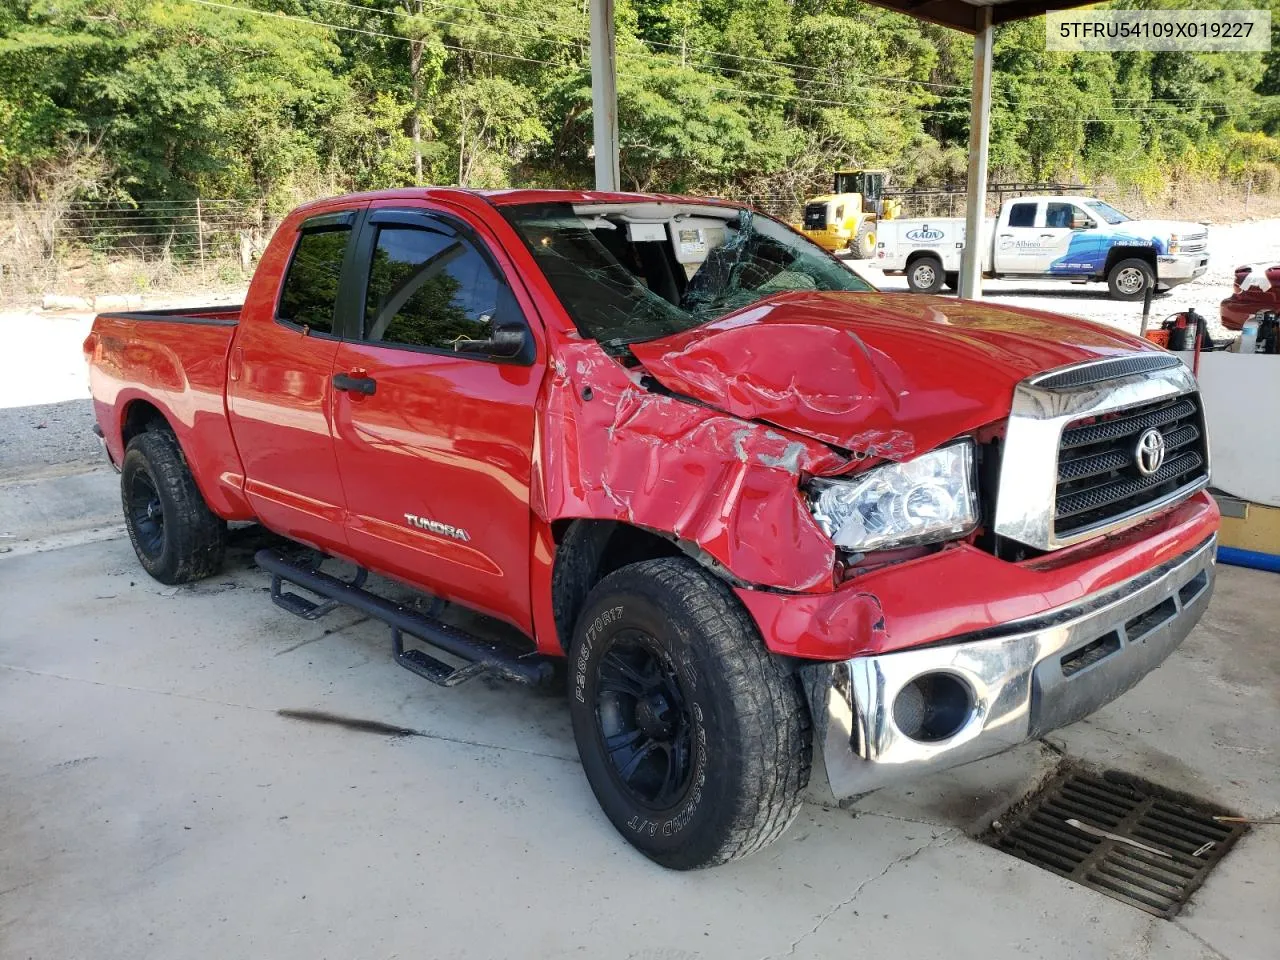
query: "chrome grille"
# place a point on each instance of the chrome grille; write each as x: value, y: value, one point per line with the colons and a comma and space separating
x: 1194, y: 244
x: 1098, y: 475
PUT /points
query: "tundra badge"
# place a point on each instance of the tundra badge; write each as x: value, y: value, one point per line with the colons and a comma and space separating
x: 435, y: 526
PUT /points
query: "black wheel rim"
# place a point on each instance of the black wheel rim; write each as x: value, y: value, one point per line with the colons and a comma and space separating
x: 643, y: 719
x: 146, y: 514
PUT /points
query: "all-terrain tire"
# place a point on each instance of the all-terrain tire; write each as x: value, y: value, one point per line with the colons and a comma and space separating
x: 174, y: 533
x: 735, y: 786
x: 1128, y: 279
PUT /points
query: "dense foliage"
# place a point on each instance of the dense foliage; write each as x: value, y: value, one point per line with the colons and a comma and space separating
x: 150, y: 100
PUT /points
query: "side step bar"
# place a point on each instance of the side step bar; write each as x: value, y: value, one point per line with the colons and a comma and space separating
x: 482, y: 656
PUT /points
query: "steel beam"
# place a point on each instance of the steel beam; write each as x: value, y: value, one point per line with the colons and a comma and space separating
x: 979, y: 137
x: 604, y: 95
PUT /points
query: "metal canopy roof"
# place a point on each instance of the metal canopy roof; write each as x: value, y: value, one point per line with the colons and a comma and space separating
x: 966, y: 15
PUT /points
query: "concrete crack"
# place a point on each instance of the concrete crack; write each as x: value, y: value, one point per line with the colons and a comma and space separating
x: 1213, y: 951
x: 425, y: 734
x: 857, y: 891
x: 330, y: 631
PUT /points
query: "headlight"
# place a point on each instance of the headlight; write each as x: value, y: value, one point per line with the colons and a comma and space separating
x: 924, y: 500
x: 1173, y: 243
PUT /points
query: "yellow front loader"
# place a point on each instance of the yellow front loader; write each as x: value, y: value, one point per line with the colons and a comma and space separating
x: 846, y: 218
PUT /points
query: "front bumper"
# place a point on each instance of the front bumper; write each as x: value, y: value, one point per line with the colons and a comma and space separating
x: 1180, y: 268
x: 1024, y: 679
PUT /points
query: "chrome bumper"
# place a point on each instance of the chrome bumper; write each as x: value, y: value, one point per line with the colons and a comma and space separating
x: 1181, y: 267
x: 1024, y: 679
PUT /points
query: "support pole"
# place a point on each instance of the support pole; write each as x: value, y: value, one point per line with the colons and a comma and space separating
x: 979, y: 137
x: 604, y: 95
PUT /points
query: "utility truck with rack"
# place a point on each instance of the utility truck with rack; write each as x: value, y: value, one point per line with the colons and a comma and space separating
x: 750, y: 506
x: 1071, y: 238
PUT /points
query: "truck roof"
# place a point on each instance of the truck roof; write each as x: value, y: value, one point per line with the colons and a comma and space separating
x: 510, y: 196
x: 1076, y: 197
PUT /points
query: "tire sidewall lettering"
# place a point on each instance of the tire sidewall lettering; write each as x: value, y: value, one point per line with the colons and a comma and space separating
x: 590, y: 636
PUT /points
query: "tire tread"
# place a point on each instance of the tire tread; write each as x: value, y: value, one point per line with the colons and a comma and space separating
x: 196, y: 538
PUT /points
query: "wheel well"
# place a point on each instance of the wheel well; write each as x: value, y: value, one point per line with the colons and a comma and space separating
x: 922, y: 255
x: 140, y: 416
x: 589, y: 550
x: 1118, y: 253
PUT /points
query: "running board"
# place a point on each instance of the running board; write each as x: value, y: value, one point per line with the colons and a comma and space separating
x: 481, y: 656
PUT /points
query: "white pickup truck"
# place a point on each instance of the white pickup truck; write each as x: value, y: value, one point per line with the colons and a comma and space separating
x: 1049, y: 238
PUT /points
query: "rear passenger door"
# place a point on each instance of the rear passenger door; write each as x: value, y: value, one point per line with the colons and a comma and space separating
x: 279, y: 389
x: 435, y: 437
x: 1017, y: 239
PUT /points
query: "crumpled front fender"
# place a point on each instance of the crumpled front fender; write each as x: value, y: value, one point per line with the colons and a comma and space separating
x: 611, y: 449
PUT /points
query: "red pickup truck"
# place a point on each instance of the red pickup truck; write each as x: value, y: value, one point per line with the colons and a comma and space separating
x: 756, y: 504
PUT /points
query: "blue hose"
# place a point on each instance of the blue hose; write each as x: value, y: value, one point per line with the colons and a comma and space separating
x: 1249, y: 558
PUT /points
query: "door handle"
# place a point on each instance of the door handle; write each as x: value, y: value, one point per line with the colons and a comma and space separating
x: 365, y: 385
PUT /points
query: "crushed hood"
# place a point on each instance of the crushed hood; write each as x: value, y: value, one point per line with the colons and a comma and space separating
x: 879, y: 374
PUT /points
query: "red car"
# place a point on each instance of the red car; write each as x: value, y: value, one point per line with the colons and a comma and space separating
x: 1256, y: 289
x: 756, y: 504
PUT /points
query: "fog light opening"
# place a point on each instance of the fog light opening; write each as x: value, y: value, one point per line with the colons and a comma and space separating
x: 933, y: 707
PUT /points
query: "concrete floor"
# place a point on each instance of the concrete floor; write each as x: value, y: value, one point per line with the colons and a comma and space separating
x: 154, y: 804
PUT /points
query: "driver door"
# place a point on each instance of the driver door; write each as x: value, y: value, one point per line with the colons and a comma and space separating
x: 435, y: 446
x: 1059, y: 238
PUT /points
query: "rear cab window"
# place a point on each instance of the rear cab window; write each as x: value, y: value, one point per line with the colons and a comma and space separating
x: 309, y: 293
x: 1022, y: 215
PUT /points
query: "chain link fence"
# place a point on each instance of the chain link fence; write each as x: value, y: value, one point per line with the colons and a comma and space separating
x: 77, y: 246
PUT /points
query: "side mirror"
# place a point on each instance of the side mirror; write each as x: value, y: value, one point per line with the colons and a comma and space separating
x: 1082, y: 223
x: 506, y: 341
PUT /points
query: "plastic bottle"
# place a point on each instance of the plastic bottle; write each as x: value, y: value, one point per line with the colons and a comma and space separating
x: 1249, y: 336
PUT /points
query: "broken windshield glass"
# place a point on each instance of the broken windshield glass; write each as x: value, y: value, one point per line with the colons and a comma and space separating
x: 632, y: 272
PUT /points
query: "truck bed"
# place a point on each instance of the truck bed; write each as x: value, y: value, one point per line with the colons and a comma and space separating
x: 173, y: 362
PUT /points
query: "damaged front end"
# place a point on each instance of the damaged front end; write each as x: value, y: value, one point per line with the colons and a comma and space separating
x: 839, y: 457
x: 885, y: 718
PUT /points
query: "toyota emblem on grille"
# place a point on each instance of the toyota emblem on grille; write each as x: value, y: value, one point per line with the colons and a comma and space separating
x: 1150, y: 453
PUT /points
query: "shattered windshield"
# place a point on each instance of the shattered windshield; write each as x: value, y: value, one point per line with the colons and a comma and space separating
x: 628, y: 272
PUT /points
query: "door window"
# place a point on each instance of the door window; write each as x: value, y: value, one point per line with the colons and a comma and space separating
x: 310, y: 288
x: 430, y: 289
x: 1022, y: 215
x: 1058, y: 216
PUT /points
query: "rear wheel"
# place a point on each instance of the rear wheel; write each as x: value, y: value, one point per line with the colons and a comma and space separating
x: 1128, y: 279
x: 174, y: 533
x: 924, y: 275
x: 695, y: 740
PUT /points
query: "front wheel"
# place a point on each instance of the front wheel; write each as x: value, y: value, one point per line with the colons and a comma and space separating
x: 925, y: 275
x: 174, y: 533
x: 1129, y: 279
x: 863, y: 245
x: 695, y: 740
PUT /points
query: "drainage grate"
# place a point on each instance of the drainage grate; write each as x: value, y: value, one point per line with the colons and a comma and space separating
x: 1172, y: 845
